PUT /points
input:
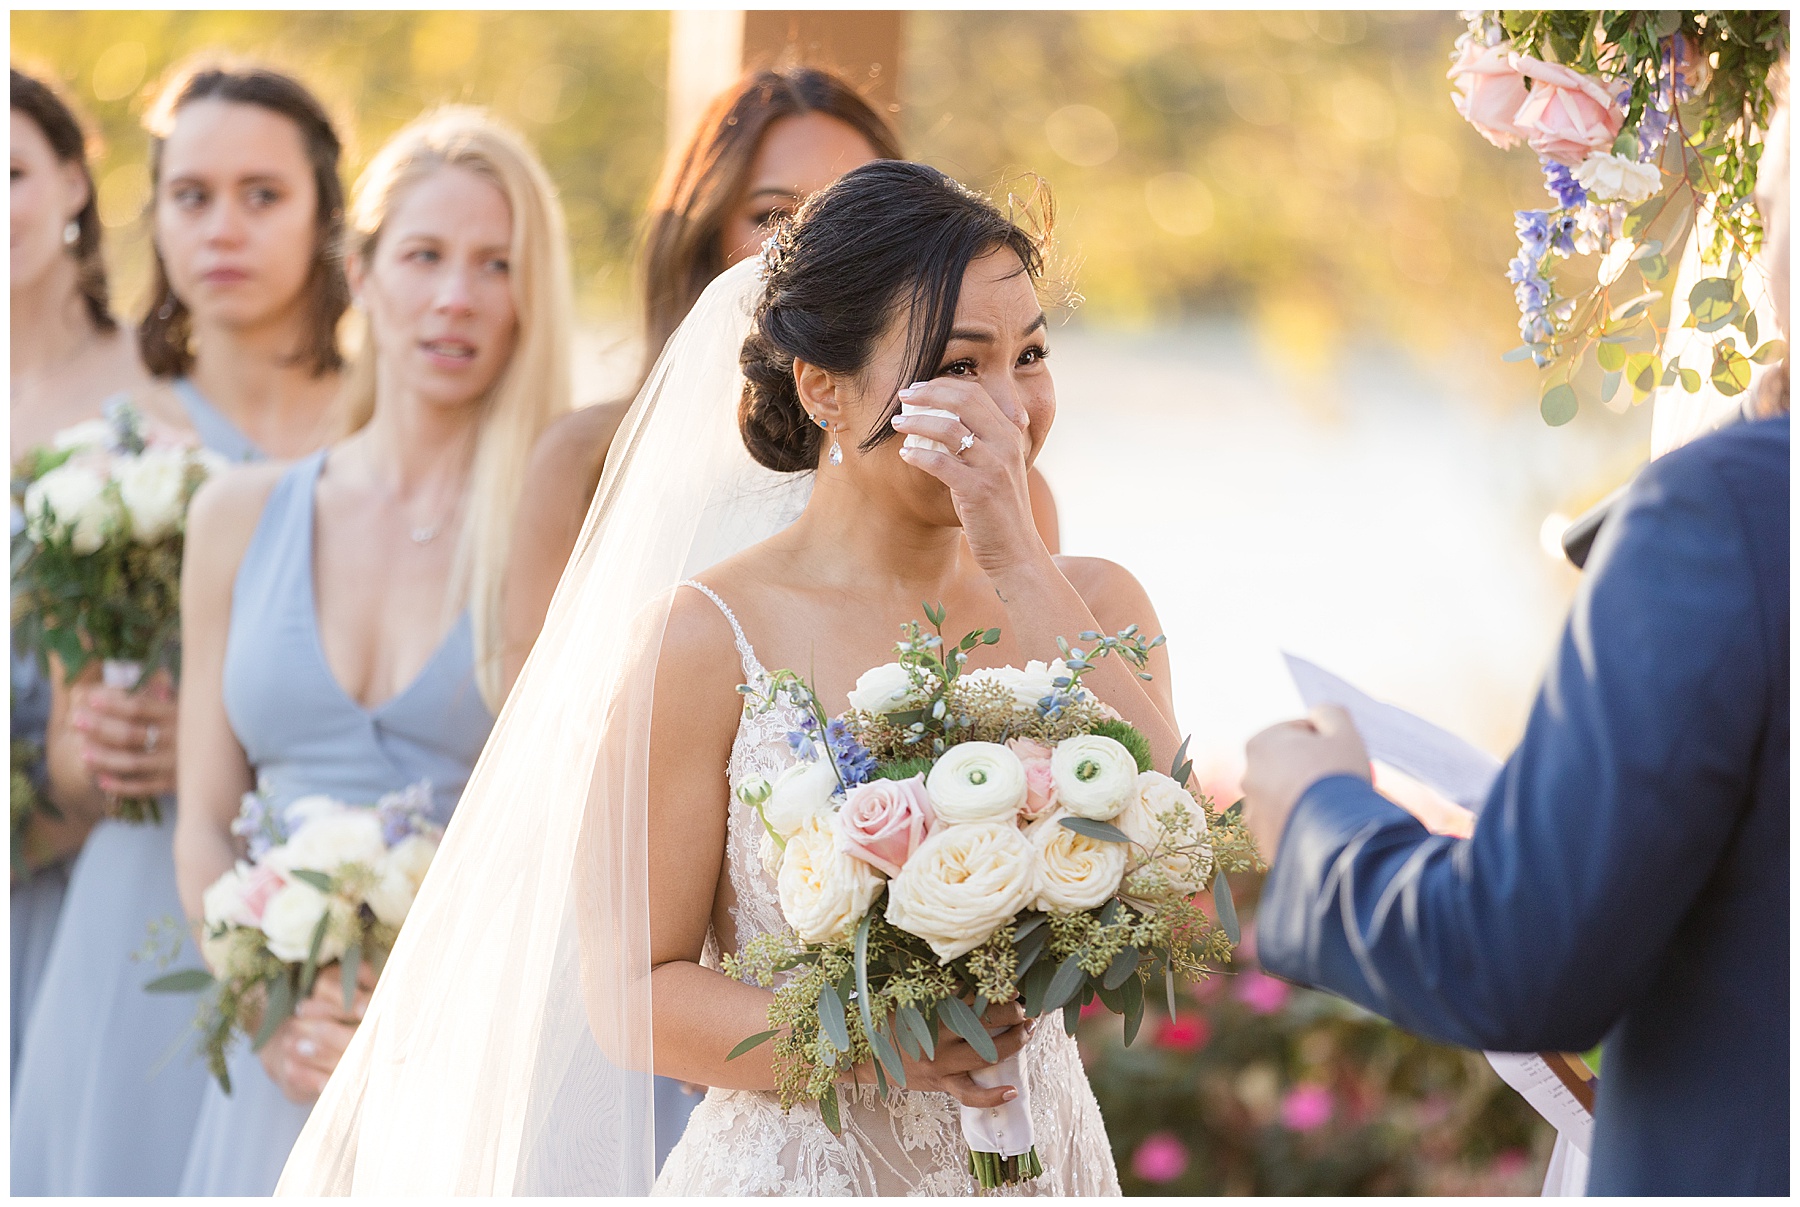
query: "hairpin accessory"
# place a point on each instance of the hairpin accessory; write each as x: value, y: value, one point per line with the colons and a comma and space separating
x: 769, y: 259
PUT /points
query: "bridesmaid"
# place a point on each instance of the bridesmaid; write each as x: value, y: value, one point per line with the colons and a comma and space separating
x: 761, y: 149
x: 340, y: 616
x: 68, y: 354
x: 246, y: 208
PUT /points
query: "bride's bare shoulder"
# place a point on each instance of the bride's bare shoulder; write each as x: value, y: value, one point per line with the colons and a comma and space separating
x: 698, y: 656
x: 1110, y: 591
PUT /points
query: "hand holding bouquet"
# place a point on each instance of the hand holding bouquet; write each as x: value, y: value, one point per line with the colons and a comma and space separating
x: 332, y: 885
x: 97, y: 568
x: 959, y: 839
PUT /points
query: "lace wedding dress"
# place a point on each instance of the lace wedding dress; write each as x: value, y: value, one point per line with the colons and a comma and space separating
x: 740, y: 1142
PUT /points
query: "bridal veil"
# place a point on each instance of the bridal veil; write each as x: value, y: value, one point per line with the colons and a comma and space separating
x: 507, y: 1048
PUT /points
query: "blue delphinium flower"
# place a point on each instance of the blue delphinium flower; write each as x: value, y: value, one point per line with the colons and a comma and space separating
x: 258, y: 824
x: 1534, y: 233
x: 855, y: 763
x: 405, y: 812
x: 1561, y: 184
x: 1532, y: 290
x: 1562, y: 235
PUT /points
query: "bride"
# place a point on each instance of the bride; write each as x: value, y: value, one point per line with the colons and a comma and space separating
x: 567, y: 943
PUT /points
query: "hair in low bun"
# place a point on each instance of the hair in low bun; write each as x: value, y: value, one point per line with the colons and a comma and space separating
x: 889, y: 238
x: 776, y: 428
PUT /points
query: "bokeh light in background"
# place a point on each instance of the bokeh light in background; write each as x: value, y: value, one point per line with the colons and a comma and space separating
x: 1281, y: 400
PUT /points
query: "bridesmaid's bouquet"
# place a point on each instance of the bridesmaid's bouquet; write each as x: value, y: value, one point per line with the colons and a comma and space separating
x: 962, y: 838
x: 97, y: 568
x: 334, y: 883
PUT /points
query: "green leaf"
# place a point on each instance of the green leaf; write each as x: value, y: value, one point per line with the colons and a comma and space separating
x: 831, y: 1019
x: 755, y: 1041
x: 1670, y: 375
x: 911, y: 1025
x: 1134, y: 1008
x: 1182, y: 767
x: 886, y: 1057
x: 991, y: 637
x: 1033, y: 984
x: 1072, y: 1015
x: 1646, y: 249
x: 828, y: 1108
x: 1100, y: 831
x: 1730, y: 371
x: 188, y: 980
x: 1609, y: 385
x: 348, y: 972
x: 1654, y: 268
x: 1226, y: 907
x: 279, y: 1008
x: 1124, y: 965
x: 1640, y: 218
x: 1690, y: 380
x: 1770, y: 352
x: 1558, y: 405
x: 1625, y: 311
x: 318, y: 880
x: 1641, y: 370
x: 310, y: 969
x: 1169, y: 984
x: 1712, y: 302
x: 956, y: 1015
x: 1027, y: 927
x: 1627, y: 142
x: 1065, y: 984
x: 1748, y: 326
x: 1522, y: 352
x: 1610, y: 356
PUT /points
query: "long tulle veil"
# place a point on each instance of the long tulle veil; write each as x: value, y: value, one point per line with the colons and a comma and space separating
x: 507, y: 1049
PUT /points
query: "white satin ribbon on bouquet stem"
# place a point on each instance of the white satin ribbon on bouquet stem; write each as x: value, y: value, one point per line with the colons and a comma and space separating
x: 1002, y: 1131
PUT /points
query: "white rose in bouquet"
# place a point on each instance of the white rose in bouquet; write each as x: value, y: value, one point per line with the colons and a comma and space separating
x: 976, y: 782
x: 222, y: 904
x: 331, y: 838
x: 76, y: 498
x: 1162, y: 814
x: 962, y: 883
x: 398, y: 875
x: 1075, y: 872
x: 824, y: 892
x: 1616, y: 178
x: 885, y: 689
x: 1028, y: 686
x: 1094, y: 776
x: 83, y: 436
x: 800, y: 792
x: 291, y: 918
x: 153, y: 486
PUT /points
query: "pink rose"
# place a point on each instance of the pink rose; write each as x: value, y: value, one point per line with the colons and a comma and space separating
x: 883, y: 822
x: 1040, y: 785
x: 262, y: 883
x: 1567, y: 116
x: 1490, y: 91
x: 1307, y: 1108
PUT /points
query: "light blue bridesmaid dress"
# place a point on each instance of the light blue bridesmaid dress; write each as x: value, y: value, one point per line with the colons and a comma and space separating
x: 304, y: 734
x: 106, y: 1086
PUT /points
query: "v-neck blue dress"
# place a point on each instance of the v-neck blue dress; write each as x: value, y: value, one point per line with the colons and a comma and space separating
x: 304, y: 734
x: 105, y: 1089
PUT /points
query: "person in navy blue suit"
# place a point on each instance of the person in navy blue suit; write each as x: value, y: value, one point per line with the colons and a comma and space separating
x: 1627, y: 880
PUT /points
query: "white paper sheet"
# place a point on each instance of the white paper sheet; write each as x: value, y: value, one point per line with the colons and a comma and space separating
x: 1463, y: 773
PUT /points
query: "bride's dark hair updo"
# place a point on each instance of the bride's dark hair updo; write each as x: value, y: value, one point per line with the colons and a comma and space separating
x: 887, y: 237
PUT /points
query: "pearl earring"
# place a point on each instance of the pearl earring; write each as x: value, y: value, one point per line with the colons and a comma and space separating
x: 72, y: 233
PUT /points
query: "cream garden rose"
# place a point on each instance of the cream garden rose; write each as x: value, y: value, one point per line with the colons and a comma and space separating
x: 153, y: 488
x: 976, y: 782
x: 824, y: 893
x: 1074, y: 872
x: 885, y: 689
x: 330, y: 839
x: 291, y: 919
x: 398, y: 875
x: 1094, y: 776
x: 77, y: 500
x: 962, y: 883
x: 1157, y: 800
x: 1615, y: 178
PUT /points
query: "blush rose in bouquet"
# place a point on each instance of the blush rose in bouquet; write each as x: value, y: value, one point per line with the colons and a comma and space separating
x: 327, y: 881
x: 97, y: 567
x: 960, y: 838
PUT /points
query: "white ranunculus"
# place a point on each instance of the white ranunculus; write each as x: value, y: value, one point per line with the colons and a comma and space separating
x: 975, y: 782
x: 76, y: 498
x: 1075, y: 872
x: 222, y: 904
x: 1094, y: 776
x: 331, y: 839
x: 152, y: 485
x: 798, y: 793
x: 398, y: 875
x: 885, y: 689
x: 1160, y: 816
x: 88, y: 434
x: 1615, y: 178
x: 824, y: 892
x: 961, y: 884
x: 291, y: 918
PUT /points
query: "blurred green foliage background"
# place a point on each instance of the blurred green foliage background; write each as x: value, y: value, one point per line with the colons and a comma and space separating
x: 1303, y: 171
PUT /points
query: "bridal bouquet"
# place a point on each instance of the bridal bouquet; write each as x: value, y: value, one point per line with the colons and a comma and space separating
x: 97, y: 567
x: 1642, y: 121
x: 334, y: 882
x: 963, y: 838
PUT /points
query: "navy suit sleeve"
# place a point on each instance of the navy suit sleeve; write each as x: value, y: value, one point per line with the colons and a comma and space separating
x: 1601, y: 830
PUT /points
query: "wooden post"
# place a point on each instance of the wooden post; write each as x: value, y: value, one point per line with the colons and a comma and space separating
x: 708, y: 49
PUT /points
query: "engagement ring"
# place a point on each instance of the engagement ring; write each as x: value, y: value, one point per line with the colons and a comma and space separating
x: 968, y: 442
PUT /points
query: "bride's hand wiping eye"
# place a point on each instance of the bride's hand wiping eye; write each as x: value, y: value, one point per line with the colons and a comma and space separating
x: 986, y: 467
